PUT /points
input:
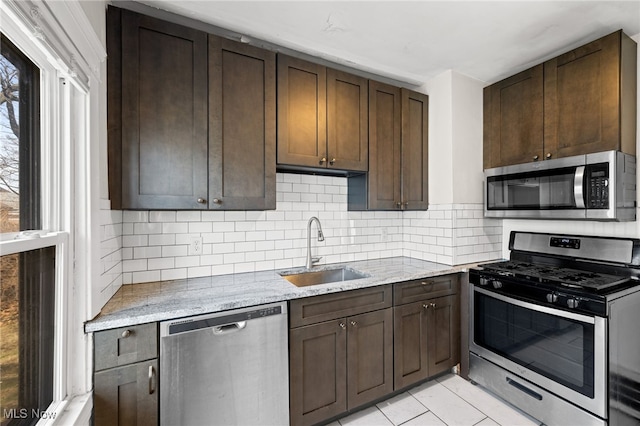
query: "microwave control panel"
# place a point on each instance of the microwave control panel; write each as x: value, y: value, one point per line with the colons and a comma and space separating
x: 597, y: 182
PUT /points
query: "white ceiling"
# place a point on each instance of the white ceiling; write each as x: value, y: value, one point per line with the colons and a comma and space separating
x: 413, y: 41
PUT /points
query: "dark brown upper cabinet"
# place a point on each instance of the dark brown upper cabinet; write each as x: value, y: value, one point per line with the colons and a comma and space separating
x: 513, y: 119
x: 580, y: 102
x: 398, y: 152
x: 177, y: 100
x: 157, y: 114
x: 242, y: 126
x: 322, y: 117
x: 590, y: 98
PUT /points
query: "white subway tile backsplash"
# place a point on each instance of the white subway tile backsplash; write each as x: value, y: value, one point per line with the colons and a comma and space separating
x: 155, y: 245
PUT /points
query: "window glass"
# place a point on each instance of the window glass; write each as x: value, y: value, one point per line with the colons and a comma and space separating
x: 27, y: 278
x: 9, y: 145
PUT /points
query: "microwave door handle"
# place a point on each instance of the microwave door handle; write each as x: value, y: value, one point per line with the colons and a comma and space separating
x: 578, y: 187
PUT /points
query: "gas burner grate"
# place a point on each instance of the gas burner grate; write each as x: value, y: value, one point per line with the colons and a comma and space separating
x: 566, y: 277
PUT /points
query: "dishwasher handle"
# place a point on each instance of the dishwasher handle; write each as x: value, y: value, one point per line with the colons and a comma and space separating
x: 221, y: 323
x: 229, y: 328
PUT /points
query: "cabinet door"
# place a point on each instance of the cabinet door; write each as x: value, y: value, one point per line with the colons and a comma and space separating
x: 443, y: 329
x: 164, y: 114
x: 347, y: 121
x: 242, y: 163
x: 302, y: 113
x: 127, y: 396
x: 582, y: 90
x: 369, y: 357
x: 410, y: 344
x: 318, y: 372
x: 415, y: 149
x: 513, y: 119
x: 385, y: 129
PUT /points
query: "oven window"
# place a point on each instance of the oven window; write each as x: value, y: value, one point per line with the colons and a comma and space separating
x: 558, y: 348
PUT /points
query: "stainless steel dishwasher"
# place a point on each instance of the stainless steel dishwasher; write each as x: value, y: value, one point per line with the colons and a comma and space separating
x: 228, y: 368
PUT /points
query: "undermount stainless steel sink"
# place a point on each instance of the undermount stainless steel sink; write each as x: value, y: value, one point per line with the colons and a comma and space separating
x: 306, y: 278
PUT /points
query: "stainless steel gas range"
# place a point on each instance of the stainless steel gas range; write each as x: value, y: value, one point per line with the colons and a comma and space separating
x: 555, y: 330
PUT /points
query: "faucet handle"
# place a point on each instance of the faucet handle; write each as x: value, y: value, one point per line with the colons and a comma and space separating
x: 315, y: 259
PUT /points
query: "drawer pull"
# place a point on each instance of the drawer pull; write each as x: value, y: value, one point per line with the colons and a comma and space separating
x: 126, y: 333
x: 342, y: 325
x: 354, y: 323
x: 424, y: 305
x: 152, y: 380
x: 433, y: 305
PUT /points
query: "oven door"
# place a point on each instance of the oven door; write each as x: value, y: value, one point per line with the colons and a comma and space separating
x: 559, y: 351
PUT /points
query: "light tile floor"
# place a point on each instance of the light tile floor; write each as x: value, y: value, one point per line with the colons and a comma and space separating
x: 447, y: 401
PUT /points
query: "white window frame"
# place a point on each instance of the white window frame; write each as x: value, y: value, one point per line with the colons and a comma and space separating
x: 58, y: 39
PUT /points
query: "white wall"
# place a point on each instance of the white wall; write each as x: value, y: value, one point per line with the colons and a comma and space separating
x: 467, y: 139
x: 439, y: 90
x: 455, y: 139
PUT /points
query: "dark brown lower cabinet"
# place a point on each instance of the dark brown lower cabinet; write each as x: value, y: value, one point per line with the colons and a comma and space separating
x: 426, y: 339
x: 318, y: 371
x: 127, y: 395
x: 339, y: 365
x: 125, y: 381
x: 369, y: 357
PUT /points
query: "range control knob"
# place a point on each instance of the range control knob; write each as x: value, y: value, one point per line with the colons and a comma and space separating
x: 497, y: 284
x: 484, y: 281
x: 573, y: 303
x: 552, y: 298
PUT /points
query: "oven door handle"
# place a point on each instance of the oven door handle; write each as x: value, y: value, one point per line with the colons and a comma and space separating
x: 578, y: 187
x: 538, y: 308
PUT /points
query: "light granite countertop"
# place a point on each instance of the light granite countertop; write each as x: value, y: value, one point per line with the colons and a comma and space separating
x: 163, y: 300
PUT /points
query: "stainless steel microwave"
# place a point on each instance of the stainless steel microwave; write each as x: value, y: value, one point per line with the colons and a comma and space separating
x: 600, y: 186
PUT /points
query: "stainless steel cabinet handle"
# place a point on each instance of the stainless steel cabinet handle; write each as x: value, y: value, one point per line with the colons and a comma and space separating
x: 332, y: 161
x: 126, y: 333
x: 202, y: 200
x: 152, y: 380
x: 217, y: 201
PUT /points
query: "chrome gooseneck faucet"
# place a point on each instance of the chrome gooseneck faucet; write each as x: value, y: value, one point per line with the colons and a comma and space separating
x: 312, y: 260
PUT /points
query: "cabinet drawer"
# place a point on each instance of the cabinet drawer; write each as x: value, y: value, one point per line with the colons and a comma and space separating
x: 416, y: 290
x: 317, y: 309
x: 125, y: 345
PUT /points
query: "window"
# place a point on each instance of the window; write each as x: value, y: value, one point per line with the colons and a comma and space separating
x: 27, y: 277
